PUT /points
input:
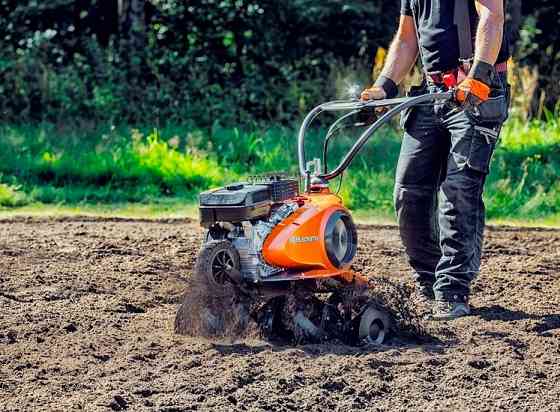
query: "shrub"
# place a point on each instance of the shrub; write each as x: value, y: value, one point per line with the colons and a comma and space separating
x: 11, y: 197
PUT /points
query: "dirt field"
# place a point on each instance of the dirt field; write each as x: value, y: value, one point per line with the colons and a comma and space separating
x: 86, y: 322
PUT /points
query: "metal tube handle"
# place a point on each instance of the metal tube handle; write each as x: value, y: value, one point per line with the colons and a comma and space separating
x: 399, y: 104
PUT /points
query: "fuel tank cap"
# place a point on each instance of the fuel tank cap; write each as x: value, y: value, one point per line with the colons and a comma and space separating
x: 235, y: 186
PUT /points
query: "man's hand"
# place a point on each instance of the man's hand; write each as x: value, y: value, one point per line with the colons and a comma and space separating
x: 373, y: 93
x: 475, y: 89
x: 472, y: 92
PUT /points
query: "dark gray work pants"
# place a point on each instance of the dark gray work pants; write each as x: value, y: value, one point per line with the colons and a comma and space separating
x: 443, y: 163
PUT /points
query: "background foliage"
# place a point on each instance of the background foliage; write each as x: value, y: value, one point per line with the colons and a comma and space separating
x: 192, y: 61
x: 135, y: 100
x: 179, y: 61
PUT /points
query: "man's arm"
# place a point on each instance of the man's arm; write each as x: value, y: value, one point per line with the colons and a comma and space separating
x: 489, y: 33
x: 400, y: 59
x: 490, y: 30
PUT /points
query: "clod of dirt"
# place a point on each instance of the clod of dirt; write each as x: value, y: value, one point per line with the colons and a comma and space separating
x: 11, y: 337
x: 118, y: 403
x: 70, y: 328
x: 22, y: 366
x: 130, y: 308
x: 53, y: 296
x: 479, y: 363
x: 145, y: 392
x: 102, y: 358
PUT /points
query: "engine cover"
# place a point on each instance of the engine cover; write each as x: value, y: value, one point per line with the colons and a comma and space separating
x: 318, y: 235
x: 245, y: 201
x: 234, y: 203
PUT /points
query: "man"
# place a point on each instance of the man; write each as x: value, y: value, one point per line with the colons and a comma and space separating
x: 446, y: 149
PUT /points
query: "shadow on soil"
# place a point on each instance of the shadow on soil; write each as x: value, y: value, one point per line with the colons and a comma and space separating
x: 428, y: 343
x: 497, y: 312
x: 318, y: 350
x: 434, y: 340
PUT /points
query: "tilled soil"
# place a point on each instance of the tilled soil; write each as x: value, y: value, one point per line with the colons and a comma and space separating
x: 87, y: 309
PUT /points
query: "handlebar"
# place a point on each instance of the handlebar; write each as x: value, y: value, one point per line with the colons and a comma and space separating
x: 354, y: 106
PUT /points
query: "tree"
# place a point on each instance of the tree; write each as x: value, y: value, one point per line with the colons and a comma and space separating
x: 132, y: 28
x: 514, y: 20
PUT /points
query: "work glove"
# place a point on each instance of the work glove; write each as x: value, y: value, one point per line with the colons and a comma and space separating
x: 472, y: 92
x: 475, y: 89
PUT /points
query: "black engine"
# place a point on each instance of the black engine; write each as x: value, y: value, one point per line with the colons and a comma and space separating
x: 244, y: 201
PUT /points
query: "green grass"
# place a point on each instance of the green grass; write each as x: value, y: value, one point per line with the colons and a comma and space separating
x: 178, y: 209
x: 524, y: 182
x: 164, y: 209
x: 41, y: 165
x: 76, y: 168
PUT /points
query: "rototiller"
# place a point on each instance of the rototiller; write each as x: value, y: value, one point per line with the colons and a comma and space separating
x: 282, y: 257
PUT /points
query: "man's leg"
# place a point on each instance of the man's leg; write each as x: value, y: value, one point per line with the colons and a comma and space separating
x: 424, y: 149
x: 461, y: 212
x: 474, y: 136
